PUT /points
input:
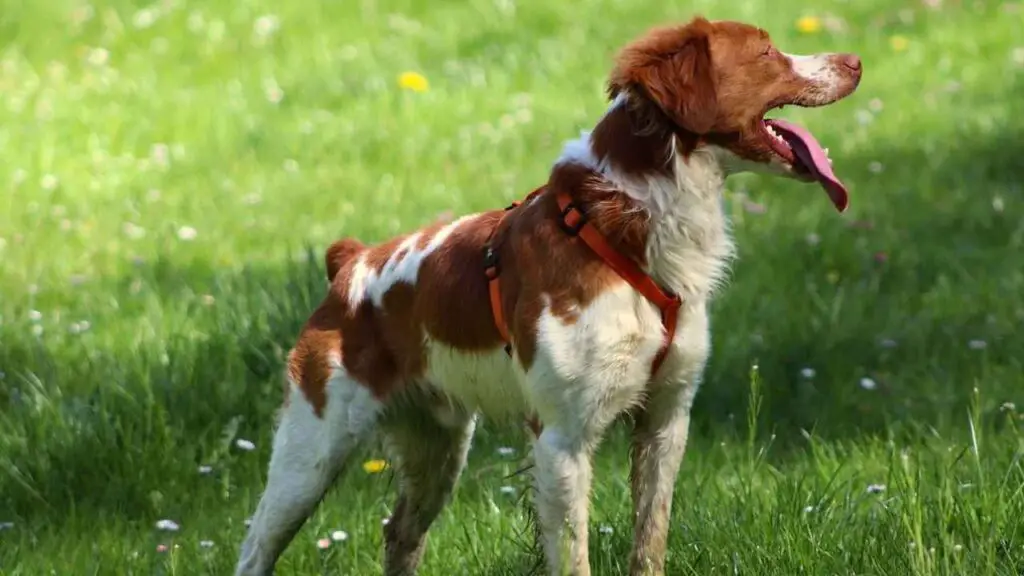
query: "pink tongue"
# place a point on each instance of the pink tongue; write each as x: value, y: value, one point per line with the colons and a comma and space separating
x: 811, y: 155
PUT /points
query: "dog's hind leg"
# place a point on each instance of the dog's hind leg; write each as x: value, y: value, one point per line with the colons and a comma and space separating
x: 429, y: 440
x: 312, y: 442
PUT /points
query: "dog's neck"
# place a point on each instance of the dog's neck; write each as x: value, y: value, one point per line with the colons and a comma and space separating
x: 658, y: 192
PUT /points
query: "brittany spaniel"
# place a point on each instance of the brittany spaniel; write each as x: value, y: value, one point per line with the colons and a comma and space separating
x: 517, y: 313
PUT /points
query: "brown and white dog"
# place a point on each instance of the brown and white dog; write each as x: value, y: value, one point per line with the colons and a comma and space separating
x: 406, y: 343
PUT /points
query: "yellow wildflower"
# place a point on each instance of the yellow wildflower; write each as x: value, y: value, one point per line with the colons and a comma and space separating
x: 809, y: 24
x: 374, y: 466
x: 899, y: 43
x: 413, y: 81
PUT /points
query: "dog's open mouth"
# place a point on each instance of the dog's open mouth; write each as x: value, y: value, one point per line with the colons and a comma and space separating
x: 798, y: 147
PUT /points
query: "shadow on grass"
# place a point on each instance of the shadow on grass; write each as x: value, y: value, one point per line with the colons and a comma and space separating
x: 151, y: 404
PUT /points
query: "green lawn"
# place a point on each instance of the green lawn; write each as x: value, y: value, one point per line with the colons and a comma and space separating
x: 172, y: 173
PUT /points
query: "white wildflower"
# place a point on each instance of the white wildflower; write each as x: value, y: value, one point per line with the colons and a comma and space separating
x: 339, y: 536
x: 807, y: 373
x: 244, y: 444
x: 187, y: 233
x: 868, y: 383
x: 265, y: 25
x: 167, y: 525
x: 49, y: 182
x: 876, y: 488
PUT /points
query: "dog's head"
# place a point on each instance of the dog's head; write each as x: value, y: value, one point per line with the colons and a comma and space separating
x: 717, y: 80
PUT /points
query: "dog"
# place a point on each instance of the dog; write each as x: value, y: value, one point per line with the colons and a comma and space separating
x: 587, y: 301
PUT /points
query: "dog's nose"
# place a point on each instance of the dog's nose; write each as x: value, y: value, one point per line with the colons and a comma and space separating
x: 851, y: 61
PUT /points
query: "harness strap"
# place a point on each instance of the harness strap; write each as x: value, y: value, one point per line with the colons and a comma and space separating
x: 574, y: 222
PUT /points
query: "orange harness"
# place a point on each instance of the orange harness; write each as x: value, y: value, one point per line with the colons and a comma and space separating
x: 574, y: 223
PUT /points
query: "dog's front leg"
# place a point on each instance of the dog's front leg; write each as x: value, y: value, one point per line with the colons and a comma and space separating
x: 658, y: 444
x: 563, y: 476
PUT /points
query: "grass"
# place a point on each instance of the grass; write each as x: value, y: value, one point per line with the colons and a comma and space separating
x: 173, y: 172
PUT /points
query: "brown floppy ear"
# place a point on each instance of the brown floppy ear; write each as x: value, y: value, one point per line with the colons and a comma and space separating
x: 673, y: 67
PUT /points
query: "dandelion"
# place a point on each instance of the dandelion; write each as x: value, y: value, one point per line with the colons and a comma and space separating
x: 167, y: 525
x: 413, y: 81
x: 244, y: 444
x: 339, y: 536
x: 385, y: 521
x: 1008, y: 407
x: 868, y: 384
x: 977, y: 344
x: 898, y: 43
x: 808, y: 509
x: 605, y: 529
x: 187, y: 233
x: 876, y: 488
x: 957, y: 547
x: 809, y: 24
x: 374, y: 466
x: 206, y: 543
x: 506, y: 451
x: 807, y: 373
x: 323, y: 543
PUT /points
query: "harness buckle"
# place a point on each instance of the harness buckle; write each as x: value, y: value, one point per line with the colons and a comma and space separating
x: 491, y: 268
x: 573, y: 220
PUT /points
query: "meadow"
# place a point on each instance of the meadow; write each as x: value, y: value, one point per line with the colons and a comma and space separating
x: 172, y: 173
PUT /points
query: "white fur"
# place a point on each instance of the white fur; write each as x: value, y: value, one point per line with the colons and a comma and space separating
x: 486, y: 381
x: 820, y: 70
x: 690, y: 245
x: 307, y: 455
x: 403, y: 266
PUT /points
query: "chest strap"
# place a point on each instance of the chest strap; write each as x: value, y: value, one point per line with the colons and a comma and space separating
x: 573, y: 222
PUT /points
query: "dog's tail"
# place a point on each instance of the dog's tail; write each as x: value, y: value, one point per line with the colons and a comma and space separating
x: 339, y: 254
